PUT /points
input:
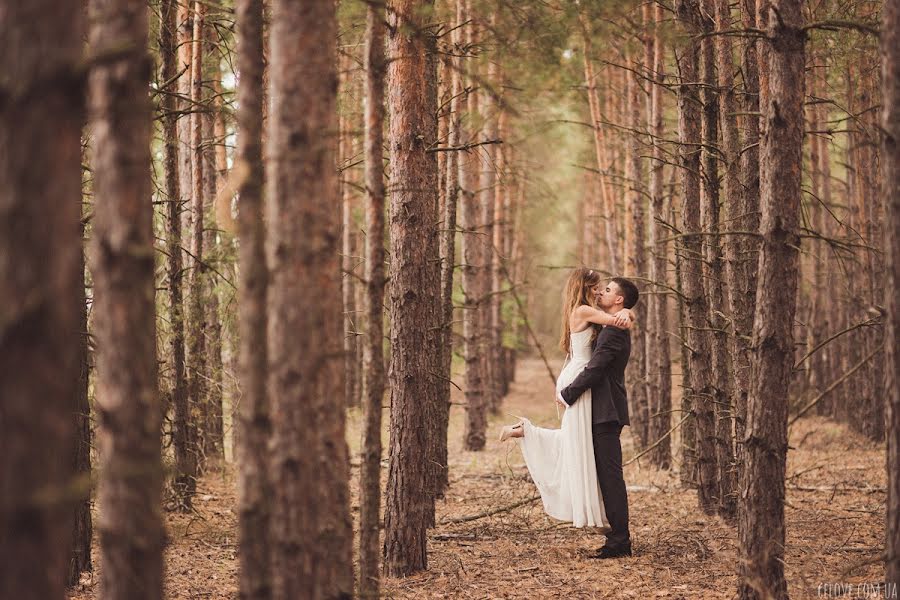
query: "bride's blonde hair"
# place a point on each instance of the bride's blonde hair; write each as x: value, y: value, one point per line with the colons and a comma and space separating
x: 576, y: 293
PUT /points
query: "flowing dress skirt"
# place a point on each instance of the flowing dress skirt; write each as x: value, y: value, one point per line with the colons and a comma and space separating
x: 561, y: 461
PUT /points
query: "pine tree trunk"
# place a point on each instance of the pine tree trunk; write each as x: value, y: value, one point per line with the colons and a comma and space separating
x: 82, y: 530
x: 473, y: 262
x: 348, y: 261
x: 41, y: 118
x: 496, y: 352
x: 254, y: 423
x: 185, y: 460
x: 713, y: 271
x: 213, y: 442
x: 761, y: 521
x: 448, y: 255
x: 415, y: 285
x: 185, y: 25
x: 196, y: 321
x: 698, y: 392
x: 637, y: 265
x: 609, y: 235
x: 311, y: 527
x: 826, y: 355
x: 127, y: 398
x: 688, y: 472
x: 488, y: 183
x: 373, y: 350
x: 748, y: 246
x: 890, y: 56
x: 659, y: 369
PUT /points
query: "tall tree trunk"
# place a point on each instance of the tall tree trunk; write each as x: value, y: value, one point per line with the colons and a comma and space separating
x: 688, y: 472
x: 637, y: 262
x: 415, y: 284
x: 448, y: 253
x: 41, y: 117
x: 312, y: 534
x: 254, y: 423
x: 713, y: 272
x: 373, y: 350
x: 184, y: 43
x: 612, y: 259
x: 659, y: 369
x: 473, y: 294
x: 82, y: 530
x: 127, y: 400
x: 761, y: 521
x: 496, y: 353
x: 748, y: 246
x: 733, y: 356
x: 348, y: 262
x: 213, y: 442
x: 737, y: 303
x: 698, y: 392
x: 487, y: 183
x: 196, y: 321
x: 185, y: 459
x: 890, y: 56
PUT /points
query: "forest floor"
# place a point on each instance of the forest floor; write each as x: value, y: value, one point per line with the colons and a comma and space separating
x: 835, y: 525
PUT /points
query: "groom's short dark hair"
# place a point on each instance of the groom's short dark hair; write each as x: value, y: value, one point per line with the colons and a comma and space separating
x: 629, y: 291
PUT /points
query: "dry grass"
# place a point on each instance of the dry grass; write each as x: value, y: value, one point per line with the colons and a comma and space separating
x: 835, y: 520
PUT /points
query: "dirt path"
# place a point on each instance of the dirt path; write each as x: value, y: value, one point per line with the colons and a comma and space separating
x: 834, y: 515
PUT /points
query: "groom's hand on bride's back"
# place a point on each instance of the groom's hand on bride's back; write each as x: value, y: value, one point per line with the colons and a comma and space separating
x: 561, y: 401
x: 624, y: 319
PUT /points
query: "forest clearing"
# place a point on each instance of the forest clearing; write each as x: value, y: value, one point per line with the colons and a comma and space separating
x: 835, y: 528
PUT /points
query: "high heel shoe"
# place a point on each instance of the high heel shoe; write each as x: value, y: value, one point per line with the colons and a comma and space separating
x: 509, y: 431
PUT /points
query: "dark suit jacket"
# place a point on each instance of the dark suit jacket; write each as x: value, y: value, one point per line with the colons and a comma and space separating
x: 604, y: 375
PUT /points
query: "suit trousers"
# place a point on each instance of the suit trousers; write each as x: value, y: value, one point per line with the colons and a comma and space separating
x: 608, y: 458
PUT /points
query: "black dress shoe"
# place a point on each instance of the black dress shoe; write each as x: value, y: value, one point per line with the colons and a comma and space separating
x: 607, y: 552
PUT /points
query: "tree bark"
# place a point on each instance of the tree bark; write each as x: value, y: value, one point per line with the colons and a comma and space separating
x: 637, y: 264
x: 373, y: 350
x: 890, y: 57
x: 713, y: 271
x: 415, y: 284
x: 82, y: 530
x: 612, y: 259
x: 213, y: 427
x: 311, y: 527
x: 348, y: 262
x: 487, y: 184
x: 698, y: 392
x: 185, y: 468
x: 659, y: 368
x: 473, y: 293
x: 497, y: 257
x: 254, y: 423
x: 185, y: 45
x: 761, y: 521
x: 41, y: 117
x: 748, y: 246
x: 448, y: 252
x: 127, y: 400
x: 196, y: 321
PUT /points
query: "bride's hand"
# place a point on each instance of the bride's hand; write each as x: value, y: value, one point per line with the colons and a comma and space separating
x: 624, y: 319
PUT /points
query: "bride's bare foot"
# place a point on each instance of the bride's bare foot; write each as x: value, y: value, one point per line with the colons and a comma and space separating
x: 512, y: 431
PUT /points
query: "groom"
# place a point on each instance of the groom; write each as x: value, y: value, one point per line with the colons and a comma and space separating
x: 604, y: 375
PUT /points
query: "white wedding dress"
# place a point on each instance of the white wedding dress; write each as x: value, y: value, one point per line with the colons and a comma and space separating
x: 561, y: 461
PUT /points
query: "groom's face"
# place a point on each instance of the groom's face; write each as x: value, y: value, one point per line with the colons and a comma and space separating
x: 609, y: 294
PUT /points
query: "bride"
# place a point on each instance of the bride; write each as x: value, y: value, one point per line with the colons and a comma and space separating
x: 561, y: 461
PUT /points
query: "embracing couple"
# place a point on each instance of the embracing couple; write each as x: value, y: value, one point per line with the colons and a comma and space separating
x: 578, y: 467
